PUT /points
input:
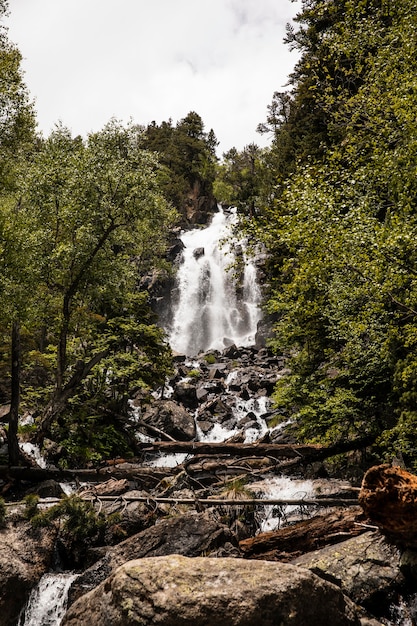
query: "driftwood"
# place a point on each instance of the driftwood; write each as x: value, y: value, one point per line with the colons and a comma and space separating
x: 207, y: 460
x: 93, y: 496
x: 388, y: 497
x: 233, y: 501
x: 311, y: 534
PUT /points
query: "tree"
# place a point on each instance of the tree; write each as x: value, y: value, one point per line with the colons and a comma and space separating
x: 238, y: 178
x: 100, y: 224
x: 341, y: 227
x: 188, y: 155
x: 17, y: 124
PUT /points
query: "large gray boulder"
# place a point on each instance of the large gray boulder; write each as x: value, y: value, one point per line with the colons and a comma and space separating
x: 172, y: 418
x: 366, y: 568
x: 25, y: 555
x: 179, y: 591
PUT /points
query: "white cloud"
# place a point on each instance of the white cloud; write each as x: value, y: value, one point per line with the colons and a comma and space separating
x: 88, y: 60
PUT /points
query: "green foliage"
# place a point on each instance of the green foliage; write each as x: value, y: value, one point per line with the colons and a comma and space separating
x: 194, y: 373
x: 210, y: 359
x: 92, y: 222
x: 31, y: 505
x: 339, y: 222
x: 238, y: 178
x: 78, y: 518
x: 187, y: 155
x: 87, y: 438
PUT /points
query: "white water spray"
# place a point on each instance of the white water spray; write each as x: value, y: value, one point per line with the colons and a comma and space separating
x: 212, y: 311
x: 47, y: 602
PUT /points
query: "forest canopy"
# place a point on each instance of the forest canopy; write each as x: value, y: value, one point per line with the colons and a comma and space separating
x: 338, y: 216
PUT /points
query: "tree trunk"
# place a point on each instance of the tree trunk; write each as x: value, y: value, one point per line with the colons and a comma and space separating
x: 311, y: 534
x: 301, y: 453
x: 61, y: 396
x: 14, y: 450
x: 388, y: 497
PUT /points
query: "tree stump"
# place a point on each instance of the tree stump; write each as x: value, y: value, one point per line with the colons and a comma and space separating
x: 388, y: 497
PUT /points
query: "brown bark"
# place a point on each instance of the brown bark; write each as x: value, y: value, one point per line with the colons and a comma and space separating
x: 311, y: 534
x: 61, y: 396
x: 303, y: 453
x: 145, y: 477
x: 388, y: 497
x: 237, y: 449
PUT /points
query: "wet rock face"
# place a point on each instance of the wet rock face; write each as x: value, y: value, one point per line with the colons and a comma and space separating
x: 25, y: 555
x: 218, y: 592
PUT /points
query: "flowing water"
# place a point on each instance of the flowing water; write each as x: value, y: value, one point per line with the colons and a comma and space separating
x: 47, y: 601
x: 213, y: 308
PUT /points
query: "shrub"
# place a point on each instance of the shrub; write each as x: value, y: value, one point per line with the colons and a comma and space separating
x: 31, y: 504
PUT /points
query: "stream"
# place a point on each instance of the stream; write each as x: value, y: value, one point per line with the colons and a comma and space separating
x: 46, y: 605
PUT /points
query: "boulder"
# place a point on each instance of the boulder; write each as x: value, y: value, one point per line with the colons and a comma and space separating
x: 172, y: 418
x: 198, y: 252
x: 25, y: 555
x: 175, y: 590
x: 190, y: 534
x: 366, y: 568
x: 186, y: 393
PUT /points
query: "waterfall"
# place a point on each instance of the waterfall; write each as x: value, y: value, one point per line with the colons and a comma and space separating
x: 47, y: 601
x: 213, y: 309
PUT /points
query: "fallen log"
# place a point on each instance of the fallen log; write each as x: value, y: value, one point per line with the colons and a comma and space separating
x: 96, y: 497
x: 268, y: 455
x: 233, y: 501
x: 305, y: 536
x: 303, y: 453
x: 125, y: 471
x: 237, y: 449
x: 388, y: 497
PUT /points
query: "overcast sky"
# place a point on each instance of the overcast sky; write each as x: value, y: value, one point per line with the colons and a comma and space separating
x: 86, y: 61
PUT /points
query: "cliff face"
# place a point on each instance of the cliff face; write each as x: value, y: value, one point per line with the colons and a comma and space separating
x: 198, y: 207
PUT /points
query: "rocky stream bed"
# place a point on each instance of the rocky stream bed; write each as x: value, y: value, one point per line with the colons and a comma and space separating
x: 174, y: 558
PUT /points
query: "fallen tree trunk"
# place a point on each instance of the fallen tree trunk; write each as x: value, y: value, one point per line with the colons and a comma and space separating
x: 133, y: 472
x: 237, y: 449
x: 231, y: 501
x: 265, y: 459
x: 388, y: 497
x: 306, y: 536
x: 304, y: 453
x: 93, y: 497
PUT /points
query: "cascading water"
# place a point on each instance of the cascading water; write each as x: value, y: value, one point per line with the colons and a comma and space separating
x: 213, y: 309
x: 47, y: 602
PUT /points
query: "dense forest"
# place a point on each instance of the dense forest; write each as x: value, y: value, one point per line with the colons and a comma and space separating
x: 332, y: 199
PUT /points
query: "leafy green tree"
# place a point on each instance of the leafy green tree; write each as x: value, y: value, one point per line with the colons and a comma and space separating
x: 100, y: 224
x: 238, y: 178
x: 17, y: 124
x: 341, y: 226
